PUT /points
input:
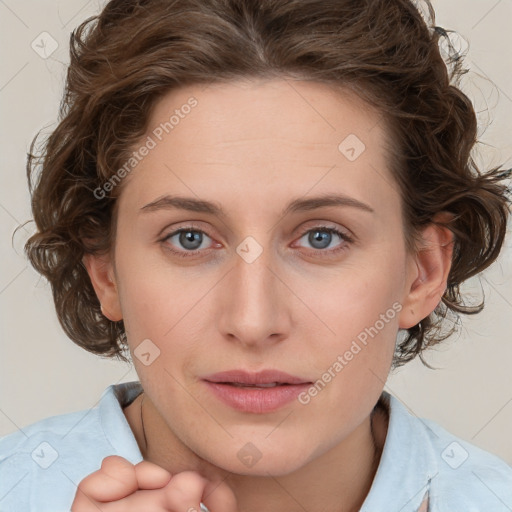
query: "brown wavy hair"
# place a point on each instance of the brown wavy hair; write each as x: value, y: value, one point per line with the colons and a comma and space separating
x: 135, y: 51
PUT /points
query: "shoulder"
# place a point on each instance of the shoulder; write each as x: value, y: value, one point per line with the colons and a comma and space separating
x: 55, y: 426
x: 40, y: 461
x: 460, y: 476
x: 42, y: 464
x: 424, y: 467
x: 467, y: 474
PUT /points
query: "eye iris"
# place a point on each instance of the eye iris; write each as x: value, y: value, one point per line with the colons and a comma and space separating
x: 187, y: 237
x: 192, y: 240
x: 324, y: 236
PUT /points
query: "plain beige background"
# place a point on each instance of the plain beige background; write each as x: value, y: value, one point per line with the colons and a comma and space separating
x: 42, y: 373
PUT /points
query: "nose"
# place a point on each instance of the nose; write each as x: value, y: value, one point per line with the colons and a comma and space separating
x: 253, y: 301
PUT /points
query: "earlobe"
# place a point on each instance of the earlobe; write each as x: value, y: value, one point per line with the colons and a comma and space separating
x: 428, y: 275
x: 101, y: 274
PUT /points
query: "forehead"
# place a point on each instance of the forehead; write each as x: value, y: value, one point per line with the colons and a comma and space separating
x: 264, y: 139
x: 298, y: 111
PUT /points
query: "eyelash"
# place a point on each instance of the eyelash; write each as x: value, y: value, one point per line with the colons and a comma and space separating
x: 188, y: 254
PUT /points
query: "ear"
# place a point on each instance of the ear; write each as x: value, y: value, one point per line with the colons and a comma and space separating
x: 101, y: 273
x: 428, y: 273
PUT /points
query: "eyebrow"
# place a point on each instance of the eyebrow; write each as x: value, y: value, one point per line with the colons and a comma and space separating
x: 192, y: 204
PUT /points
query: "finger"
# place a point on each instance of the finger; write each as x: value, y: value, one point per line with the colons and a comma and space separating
x: 219, y: 497
x: 188, y: 489
x: 115, y: 480
x: 152, y: 500
x: 185, y: 491
x: 151, y: 476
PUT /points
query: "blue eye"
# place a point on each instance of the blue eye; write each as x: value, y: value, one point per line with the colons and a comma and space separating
x: 189, y: 238
x: 192, y: 239
x: 321, y: 237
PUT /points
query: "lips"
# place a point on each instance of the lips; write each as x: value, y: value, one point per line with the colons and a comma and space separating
x: 264, y: 378
x: 259, y: 393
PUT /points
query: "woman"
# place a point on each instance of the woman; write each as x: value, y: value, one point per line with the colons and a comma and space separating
x: 268, y: 205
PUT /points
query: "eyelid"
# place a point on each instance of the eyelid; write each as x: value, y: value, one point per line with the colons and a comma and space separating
x: 196, y: 225
x: 346, y: 242
x: 322, y: 225
x: 345, y: 234
x: 189, y: 226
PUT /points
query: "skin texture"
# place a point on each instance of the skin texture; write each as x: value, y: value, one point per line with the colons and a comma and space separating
x: 253, y: 147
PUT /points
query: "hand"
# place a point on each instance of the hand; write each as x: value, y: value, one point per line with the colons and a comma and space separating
x: 119, y: 486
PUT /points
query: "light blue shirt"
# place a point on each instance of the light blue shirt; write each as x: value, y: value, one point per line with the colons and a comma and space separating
x: 42, y: 464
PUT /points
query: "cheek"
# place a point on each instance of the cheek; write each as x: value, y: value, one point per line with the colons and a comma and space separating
x: 159, y: 304
x: 149, y: 290
x: 355, y: 299
x: 353, y: 365
x: 147, y: 307
x: 359, y: 310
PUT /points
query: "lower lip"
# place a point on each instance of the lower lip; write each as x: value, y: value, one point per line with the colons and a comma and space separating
x: 257, y: 400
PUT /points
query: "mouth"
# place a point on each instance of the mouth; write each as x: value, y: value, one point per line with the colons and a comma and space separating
x: 262, y: 392
x: 261, y: 386
x: 263, y: 379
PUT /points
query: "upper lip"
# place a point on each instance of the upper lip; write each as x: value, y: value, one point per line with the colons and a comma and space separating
x: 261, y: 377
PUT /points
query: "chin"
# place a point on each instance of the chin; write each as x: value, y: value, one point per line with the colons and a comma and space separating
x: 253, y: 461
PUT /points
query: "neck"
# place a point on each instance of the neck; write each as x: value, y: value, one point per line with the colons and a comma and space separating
x: 338, y: 480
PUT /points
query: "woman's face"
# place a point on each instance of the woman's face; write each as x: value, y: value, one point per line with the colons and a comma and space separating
x: 261, y: 283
